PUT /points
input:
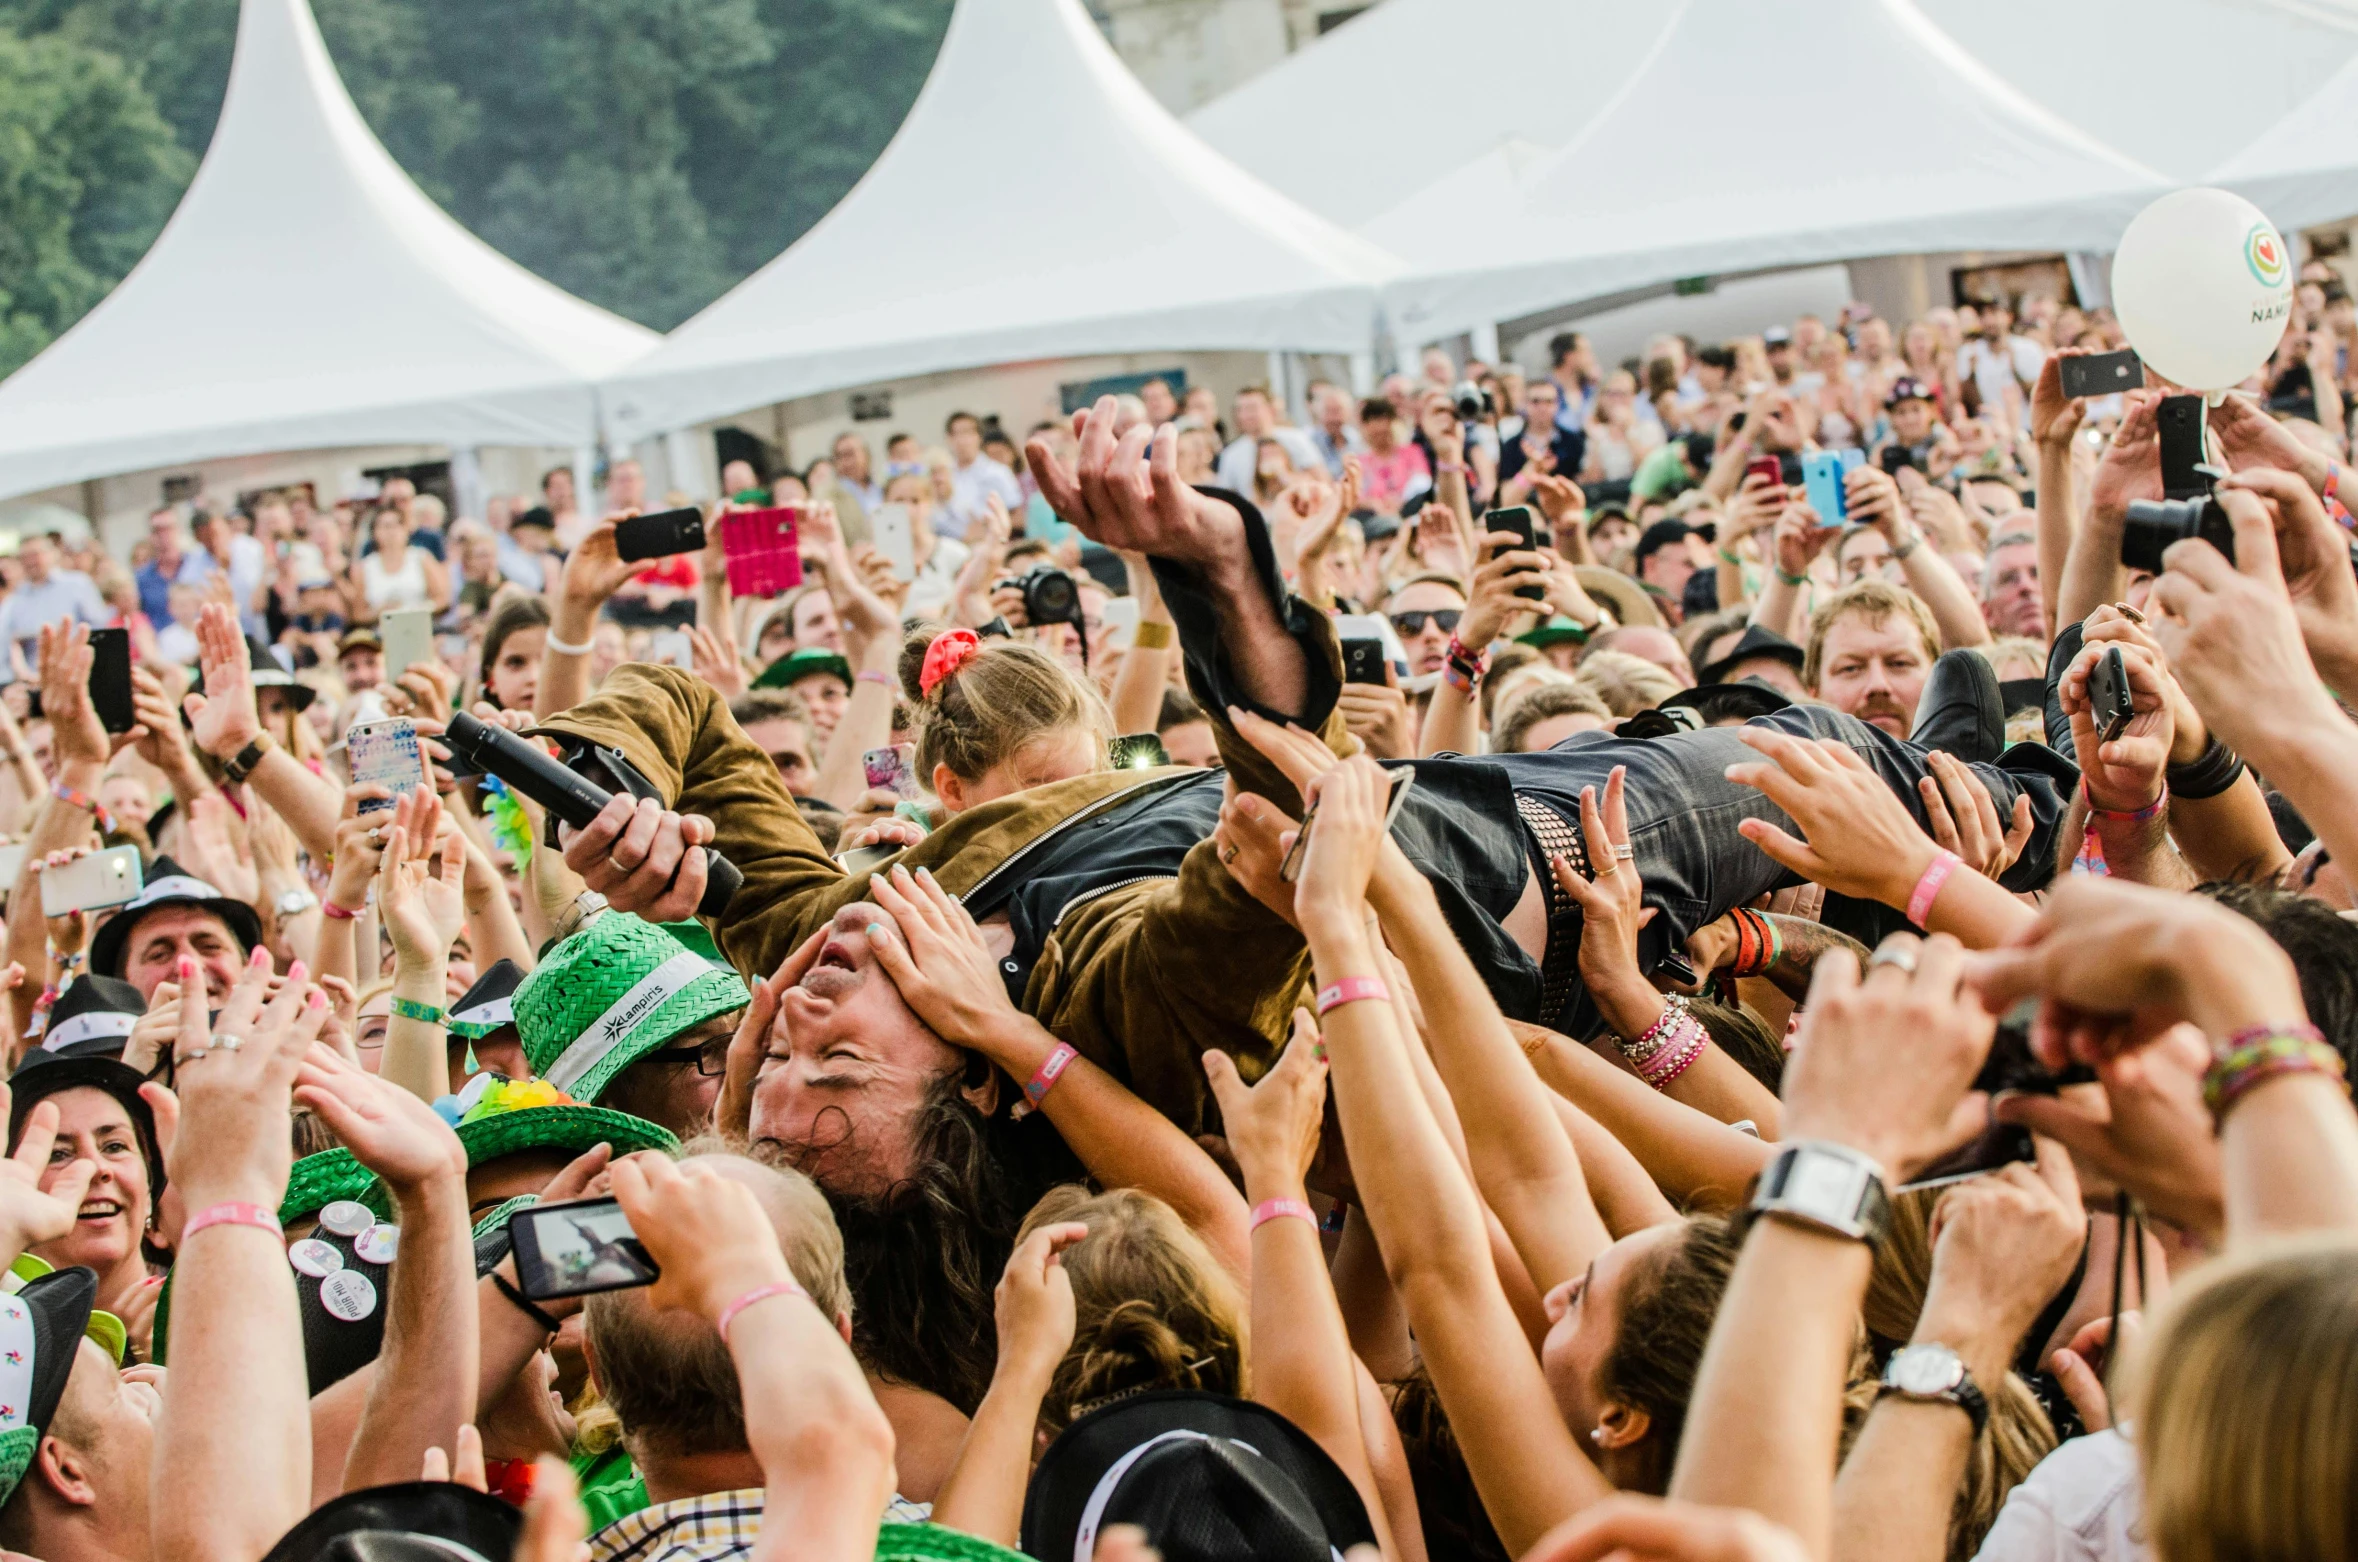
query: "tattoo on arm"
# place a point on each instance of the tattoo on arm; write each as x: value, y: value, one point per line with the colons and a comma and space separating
x: 1802, y: 942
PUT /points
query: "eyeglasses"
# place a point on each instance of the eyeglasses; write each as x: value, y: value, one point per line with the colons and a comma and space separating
x: 711, y: 1059
x: 1412, y: 624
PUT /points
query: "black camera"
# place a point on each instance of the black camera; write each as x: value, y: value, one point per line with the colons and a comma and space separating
x: 1471, y: 400
x: 2154, y: 524
x: 1050, y: 596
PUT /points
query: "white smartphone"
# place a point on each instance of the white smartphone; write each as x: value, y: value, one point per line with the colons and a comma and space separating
x: 890, y: 527
x: 409, y: 639
x: 107, y: 878
x: 1120, y: 618
x: 12, y: 863
x: 388, y: 753
x: 672, y: 648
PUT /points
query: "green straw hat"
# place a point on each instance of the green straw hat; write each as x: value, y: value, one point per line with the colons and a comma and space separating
x: 317, y: 1181
x: 572, y: 1129
x: 611, y: 994
x: 932, y: 1543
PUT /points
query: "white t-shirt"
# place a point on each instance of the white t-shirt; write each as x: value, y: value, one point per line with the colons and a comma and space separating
x: 970, y: 488
x: 2081, y: 1504
x: 1242, y: 458
x: 1992, y: 368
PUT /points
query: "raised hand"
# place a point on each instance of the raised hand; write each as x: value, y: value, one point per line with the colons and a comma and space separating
x: 733, y: 1115
x: 631, y: 852
x: 1116, y: 498
x: 2131, y: 467
x: 390, y: 1131
x: 2002, y: 1246
x: 1800, y: 539
x: 940, y: 963
x: 223, y: 719
x: 718, y: 663
x: 159, y: 738
x: 2145, y: 1129
x: 1861, y: 839
x: 65, y: 698
x: 421, y: 894
x: 235, y: 1079
x: 360, y: 843
x: 1493, y: 605
x: 1346, y: 836
x: 2314, y: 554
x: 1249, y: 838
x: 1964, y: 820
x: 1272, y: 1127
x: 2055, y: 417
x: 2125, y: 774
x: 706, y: 1233
x: 1612, y: 898
x: 28, y: 1215
x: 594, y: 571
x: 1034, y: 1304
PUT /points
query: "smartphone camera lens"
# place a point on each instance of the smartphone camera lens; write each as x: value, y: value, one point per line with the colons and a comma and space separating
x: 2154, y: 524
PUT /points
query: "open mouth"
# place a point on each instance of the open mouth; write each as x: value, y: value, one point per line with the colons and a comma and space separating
x: 99, y: 1209
x: 837, y: 954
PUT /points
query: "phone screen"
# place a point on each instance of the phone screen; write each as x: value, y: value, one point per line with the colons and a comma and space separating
x: 388, y: 754
x: 578, y: 1248
x: 672, y: 648
x: 1139, y: 751
x: 892, y: 769
x: 110, y: 678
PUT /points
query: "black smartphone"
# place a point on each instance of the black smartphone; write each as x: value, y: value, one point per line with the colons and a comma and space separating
x: 1363, y: 661
x: 1139, y: 751
x: 110, y: 678
x: 2010, y: 1066
x: 577, y: 1248
x: 1895, y: 459
x: 2178, y: 424
x: 2109, y: 706
x: 1403, y: 780
x: 1523, y: 521
x: 660, y: 535
x: 2101, y: 374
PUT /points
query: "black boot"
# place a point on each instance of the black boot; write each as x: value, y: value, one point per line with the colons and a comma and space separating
x: 1961, y: 712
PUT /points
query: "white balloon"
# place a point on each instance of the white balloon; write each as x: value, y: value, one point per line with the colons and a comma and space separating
x: 2203, y: 285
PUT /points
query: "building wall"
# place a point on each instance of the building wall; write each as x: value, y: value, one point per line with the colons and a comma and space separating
x: 1188, y: 52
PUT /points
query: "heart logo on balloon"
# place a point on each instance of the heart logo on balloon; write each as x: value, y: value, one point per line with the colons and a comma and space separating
x: 2264, y: 253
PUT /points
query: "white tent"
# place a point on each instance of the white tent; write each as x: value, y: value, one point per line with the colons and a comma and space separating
x: 306, y: 295
x: 1037, y: 203
x: 2176, y: 84
x: 2303, y: 170
x: 1759, y: 136
x: 1406, y: 92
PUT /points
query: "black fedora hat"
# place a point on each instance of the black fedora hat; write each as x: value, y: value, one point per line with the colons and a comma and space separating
x: 93, y: 1017
x: 168, y: 884
x: 1755, y: 644
x: 1207, y: 1477
x: 414, y: 1521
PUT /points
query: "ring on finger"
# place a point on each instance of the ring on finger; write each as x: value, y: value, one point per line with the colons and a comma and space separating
x: 1228, y: 854
x: 1624, y: 852
x: 193, y: 1055
x: 1901, y: 955
x: 228, y: 1043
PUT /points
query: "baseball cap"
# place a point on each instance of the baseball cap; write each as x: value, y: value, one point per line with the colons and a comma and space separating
x: 1906, y: 388
x: 1776, y: 336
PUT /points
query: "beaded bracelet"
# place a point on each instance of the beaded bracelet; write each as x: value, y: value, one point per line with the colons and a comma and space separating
x: 1280, y: 1209
x: 2146, y: 815
x: 2261, y: 1053
x: 411, y: 1009
x: 1351, y: 989
x: 1662, y: 1036
x: 871, y: 675
x: 1676, y: 1060
x: 76, y: 798
x: 1051, y: 1069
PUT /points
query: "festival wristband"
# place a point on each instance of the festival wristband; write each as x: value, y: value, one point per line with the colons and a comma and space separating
x: 1791, y: 580
x: 74, y: 797
x: 760, y: 1293
x: 233, y: 1215
x: 411, y: 1009
x: 1936, y: 873
x: 1152, y: 636
x: 1352, y: 989
x: 2145, y: 815
x: 2262, y: 1053
x: 563, y: 648
x: 336, y: 913
x: 1051, y: 1069
x: 1278, y: 1209
x: 871, y: 675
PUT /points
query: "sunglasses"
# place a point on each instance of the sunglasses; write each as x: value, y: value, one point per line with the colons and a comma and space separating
x: 1412, y: 624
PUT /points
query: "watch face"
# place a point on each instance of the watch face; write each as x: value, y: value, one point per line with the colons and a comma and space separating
x: 1825, y: 1186
x: 1924, y: 1372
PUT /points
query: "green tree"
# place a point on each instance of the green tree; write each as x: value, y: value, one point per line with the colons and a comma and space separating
x: 89, y: 172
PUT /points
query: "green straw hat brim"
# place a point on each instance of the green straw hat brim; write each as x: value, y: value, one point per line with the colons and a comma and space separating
x: 933, y: 1543
x: 317, y: 1181
x: 573, y: 1129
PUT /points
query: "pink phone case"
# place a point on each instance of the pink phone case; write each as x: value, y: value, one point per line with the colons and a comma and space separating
x: 763, y: 550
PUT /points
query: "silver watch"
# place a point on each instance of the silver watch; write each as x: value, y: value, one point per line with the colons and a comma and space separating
x: 1933, y: 1373
x: 1831, y: 1187
x: 294, y: 902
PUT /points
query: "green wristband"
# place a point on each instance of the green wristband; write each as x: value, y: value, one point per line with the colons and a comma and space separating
x: 1792, y: 580
x: 411, y: 1009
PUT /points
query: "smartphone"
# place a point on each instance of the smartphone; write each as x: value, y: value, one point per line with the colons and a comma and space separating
x: 110, y: 678
x: 890, y: 528
x: 1139, y: 751
x: 660, y: 535
x: 2177, y: 423
x: 1363, y: 661
x: 764, y: 551
x: 1523, y: 521
x: 1895, y: 459
x: 1822, y: 472
x: 2010, y: 1067
x: 12, y: 863
x: 409, y: 639
x: 1764, y: 466
x: 577, y: 1248
x: 2109, y: 705
x: 1402, y: 780
x: 892, y: 769
x: 107, y: 878
x: 388, y: 753
x: 1120, y: 619
x: 867, y: 859
x: 2101, y: 374
x: 672, y: 648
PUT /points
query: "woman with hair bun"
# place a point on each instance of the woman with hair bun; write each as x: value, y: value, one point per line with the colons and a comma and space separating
x: 995, y: 717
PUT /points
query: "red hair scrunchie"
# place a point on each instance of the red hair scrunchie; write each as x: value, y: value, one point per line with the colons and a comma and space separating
x: 951, y: 650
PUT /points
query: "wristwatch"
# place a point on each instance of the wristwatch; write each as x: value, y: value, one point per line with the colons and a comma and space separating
x: 242, y: 765
x: 1831, y: 1187
x: 294, y: 902
x: 1930, y: 1372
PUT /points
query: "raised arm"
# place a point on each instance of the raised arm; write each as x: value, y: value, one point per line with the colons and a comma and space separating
x: 224, y: 722
x: 1874, y: 500
x: 983, y: 1493
x: 2054, y: 422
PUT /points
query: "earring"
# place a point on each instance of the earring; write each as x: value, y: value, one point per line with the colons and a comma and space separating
x: 1596, y: 1435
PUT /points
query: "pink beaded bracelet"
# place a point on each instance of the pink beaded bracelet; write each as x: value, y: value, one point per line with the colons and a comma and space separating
x: 1278, y: 1209
x: 1051, y: 1069
x: 1352, y: 989
x: 760, y: 1293
x: 1936, y: 873
x: 233, y: 1215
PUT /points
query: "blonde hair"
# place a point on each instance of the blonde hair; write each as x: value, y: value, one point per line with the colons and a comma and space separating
x: 1154, y: 1309
x: 1873, y: 601
x: 2246, y: 1402
x: 1006, y: 697
x: 1627, y: 684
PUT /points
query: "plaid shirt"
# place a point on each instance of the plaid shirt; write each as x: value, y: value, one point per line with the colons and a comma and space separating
x: 719, y: 1526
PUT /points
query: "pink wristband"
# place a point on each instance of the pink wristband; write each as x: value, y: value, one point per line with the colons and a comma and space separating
x: 233, y: 1215
x: 336, y: 913
x: 1351, y: 989
x: 1928, y: 887
x: 871, y: 675
x: 1051, y: 1069
x: 1278, y: 1209
x: 760, y: 1293
x: 2148, y: 813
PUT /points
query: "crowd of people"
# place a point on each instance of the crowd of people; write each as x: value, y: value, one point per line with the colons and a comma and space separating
x: 1503, y: 970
